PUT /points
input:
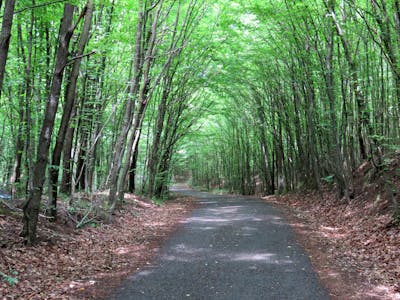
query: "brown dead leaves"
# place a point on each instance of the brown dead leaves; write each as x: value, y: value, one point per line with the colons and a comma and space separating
x: 357, y: 237
x: 87, y: 263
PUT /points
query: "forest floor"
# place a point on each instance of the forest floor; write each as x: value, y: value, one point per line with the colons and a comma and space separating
x: 86, y: 263
x: 354, y: 247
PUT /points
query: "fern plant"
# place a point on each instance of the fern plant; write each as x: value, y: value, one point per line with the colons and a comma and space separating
x: 9, y: 279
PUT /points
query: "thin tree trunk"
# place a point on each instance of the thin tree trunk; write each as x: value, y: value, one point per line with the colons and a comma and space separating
x: 121, y: 139
x: 132, y: 168
x: 337, y: 162
x: 68, y: 106
x: 29, y: 138
x: 23, y: 111
x: 153, y: 158
x: 100, y: 106
x: 363, y: 139
x: 66, y: 181
x: 269, y: 187
x: 144, y: 98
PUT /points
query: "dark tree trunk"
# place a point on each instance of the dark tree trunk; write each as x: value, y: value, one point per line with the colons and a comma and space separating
x: 269, y: 187
x: 68, y: 106
x: 132, y: 168
x: 32, y: 204
x: 66, y: 181
x: 5, y: 37
x: 154, y: 159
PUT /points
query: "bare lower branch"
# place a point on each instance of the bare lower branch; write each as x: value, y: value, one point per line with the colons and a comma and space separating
x: 79, y: 57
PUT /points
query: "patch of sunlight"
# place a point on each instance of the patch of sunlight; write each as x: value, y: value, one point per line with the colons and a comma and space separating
x: 227, y: 219
x: 383, y: 292
x: 331, y: 232
x: 81, y: 284
x: 208, y: 202
x: 121, y: 250
x: 156, y: 223
x: 332, y: 274
x: 266, y: 257
x: 207, y: 228
x: 225, y: 209
x: 208, y: 220
x: 235, y: 218
x: 103, y: 275
x: 126, y: 250
x: 182, y: 248
x: 179, y: 258
x: 142, y: 273
x: 184, y: 253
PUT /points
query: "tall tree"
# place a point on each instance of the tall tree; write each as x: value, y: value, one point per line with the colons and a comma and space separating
x: 70, y: 99
x: 5, y: 37
x: 32, y: 204
x: 138, y: 61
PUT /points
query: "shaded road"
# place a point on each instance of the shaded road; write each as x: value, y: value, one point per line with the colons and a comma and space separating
x: 230, y: 248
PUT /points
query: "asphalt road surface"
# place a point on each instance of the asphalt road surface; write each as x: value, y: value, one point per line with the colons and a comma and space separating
x: 229, y: 248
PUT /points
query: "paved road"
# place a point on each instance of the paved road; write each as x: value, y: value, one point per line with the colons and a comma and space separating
x: 230, y: 248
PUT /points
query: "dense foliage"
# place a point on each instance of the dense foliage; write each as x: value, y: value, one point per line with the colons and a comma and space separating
x: 309, y: 90
x: 248, y: 96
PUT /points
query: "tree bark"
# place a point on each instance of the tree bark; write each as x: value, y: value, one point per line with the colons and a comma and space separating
x: 32, y: 205
x: 337, y: 161
x: 363, y: 117
x: 67, y: 163
x: 128, y: 116
x: 68, y: 106
x: 269, y: 186
x: 132, y: 168
x: 5, y: 37
x: 153, y: 158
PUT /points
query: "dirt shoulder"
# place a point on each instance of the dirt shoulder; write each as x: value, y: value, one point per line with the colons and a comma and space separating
x: 355, y: 252
x: 86, y: 263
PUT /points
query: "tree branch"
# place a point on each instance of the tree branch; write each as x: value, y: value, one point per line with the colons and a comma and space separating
x: 36, y: 6
x: 79, y: 57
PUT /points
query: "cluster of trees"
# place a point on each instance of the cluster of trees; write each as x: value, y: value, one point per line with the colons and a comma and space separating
x: 313, y: 92
x: 96, y: 96
x: 251, y: 96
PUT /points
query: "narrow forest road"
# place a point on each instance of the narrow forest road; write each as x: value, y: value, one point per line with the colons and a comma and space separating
x: 231, y: 247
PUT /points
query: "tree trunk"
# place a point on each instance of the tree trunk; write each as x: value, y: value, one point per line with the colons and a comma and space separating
x: 68, y: 106
x: 132, y: 168
x: 19, y: 145
x: 5, y: 37
x: 363, y: 138
x: 153, y: 158
x: 269, y: 187
x: 32, y: 205
x: 66, y: 181
x: 133, y: 140
x: 337, y: 161
x: 121, y: 139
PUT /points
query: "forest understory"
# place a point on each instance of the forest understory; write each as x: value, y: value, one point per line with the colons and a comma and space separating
x: 86, y: 263
x: 354, y: 246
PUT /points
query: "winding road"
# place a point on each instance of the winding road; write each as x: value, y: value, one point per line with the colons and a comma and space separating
x: 231, y: 247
